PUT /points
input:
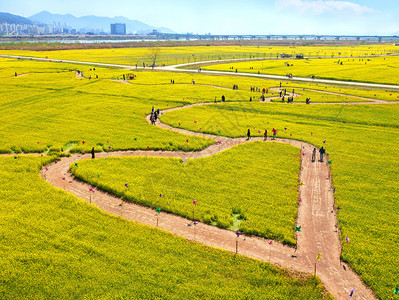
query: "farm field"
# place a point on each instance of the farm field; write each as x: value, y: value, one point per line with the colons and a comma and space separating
x: 49, y: 108
x: 180, y: 55
x: 382, y: 70
x: 267, y: 210
x: 35, y: 103
x: 361, y: 143
x: 54, y: 245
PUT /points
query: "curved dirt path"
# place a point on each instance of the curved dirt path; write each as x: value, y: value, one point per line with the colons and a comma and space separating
x: 316, y: 215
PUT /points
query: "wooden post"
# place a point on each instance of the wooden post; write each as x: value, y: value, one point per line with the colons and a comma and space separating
x: 270, y: 251
x: 315, y: 265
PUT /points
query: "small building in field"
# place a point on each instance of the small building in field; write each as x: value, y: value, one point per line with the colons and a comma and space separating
x: 300, y: 56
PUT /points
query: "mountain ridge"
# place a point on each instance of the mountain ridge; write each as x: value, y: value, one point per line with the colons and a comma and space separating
x: 95, y: 22
x: 14, y: 19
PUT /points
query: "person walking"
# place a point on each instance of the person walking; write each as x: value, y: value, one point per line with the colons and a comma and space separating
x: 265, y: 135
x: 248, y: 135
x: 322, y: 151
x: 92, y: 153
x: 274, y: 133
x: 314, y: 155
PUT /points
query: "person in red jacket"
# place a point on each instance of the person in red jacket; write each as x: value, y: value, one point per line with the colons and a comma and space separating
x: 265, y: 134
x: 274, y: 133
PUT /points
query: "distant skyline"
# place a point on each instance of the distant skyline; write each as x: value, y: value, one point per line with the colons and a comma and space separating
x: 233, y: 16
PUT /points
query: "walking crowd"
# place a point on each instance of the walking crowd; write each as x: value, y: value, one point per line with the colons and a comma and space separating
x: 154, y: 115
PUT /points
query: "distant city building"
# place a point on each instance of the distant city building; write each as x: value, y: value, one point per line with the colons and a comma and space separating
x: 118, y: 29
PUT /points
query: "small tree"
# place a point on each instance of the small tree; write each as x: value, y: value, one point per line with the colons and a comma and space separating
x: 153, y: 55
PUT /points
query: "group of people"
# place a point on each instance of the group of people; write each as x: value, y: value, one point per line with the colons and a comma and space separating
x: 322, y: 151
x: 274, y: 132
x: 235, y: 87
x: 289, y: 99
x: 258, y: 89
x: 283, y: 93
x: 129, y: 76
x: 154, y: 115
x: 80, y: 73
x: 232, y: 68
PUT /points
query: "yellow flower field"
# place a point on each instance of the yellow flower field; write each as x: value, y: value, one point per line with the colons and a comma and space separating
x: 364, y: 69
x: 362, y: 145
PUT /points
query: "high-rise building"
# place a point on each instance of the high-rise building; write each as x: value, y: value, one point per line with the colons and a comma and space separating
x: 118, y: 28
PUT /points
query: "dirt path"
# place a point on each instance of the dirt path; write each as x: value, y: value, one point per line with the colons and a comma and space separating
x: 316, y: 216
x: 20, y: 75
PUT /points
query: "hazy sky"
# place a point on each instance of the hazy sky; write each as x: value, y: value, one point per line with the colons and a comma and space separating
x: 233, y: 16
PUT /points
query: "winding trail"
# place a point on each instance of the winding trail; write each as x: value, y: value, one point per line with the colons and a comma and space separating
x: 316, y: 215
